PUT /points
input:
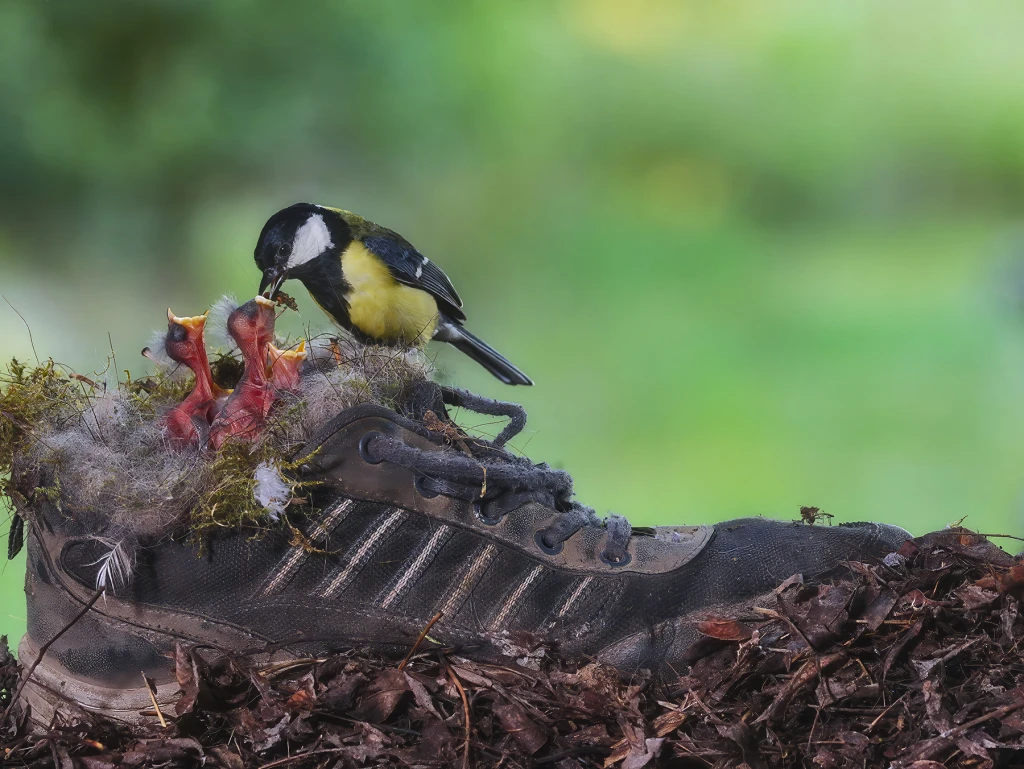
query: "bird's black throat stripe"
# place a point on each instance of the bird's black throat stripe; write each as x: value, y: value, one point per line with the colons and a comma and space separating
x: 326, y: 283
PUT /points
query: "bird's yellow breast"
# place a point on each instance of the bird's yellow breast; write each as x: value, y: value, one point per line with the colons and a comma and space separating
x: 381, y: 307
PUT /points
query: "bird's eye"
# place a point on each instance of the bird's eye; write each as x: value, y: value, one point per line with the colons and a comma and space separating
x: 283, y: 249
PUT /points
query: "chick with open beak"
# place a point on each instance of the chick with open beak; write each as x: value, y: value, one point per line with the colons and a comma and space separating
x: 244, y: 414
x: 285, y: 367
x: 189, y: 422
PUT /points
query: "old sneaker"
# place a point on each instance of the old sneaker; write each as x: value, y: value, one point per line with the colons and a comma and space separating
x: 405, y: 524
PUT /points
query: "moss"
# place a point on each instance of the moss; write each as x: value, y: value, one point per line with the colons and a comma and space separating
x: 36, y: 402
x: 33, y: 401
x: 229, y: 501
x: 159, y: 391
x: 41, y: 401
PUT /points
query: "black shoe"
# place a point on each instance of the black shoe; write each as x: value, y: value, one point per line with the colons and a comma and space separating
x: 403, y: 527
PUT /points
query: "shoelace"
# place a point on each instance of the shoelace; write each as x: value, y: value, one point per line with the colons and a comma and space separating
x: 497, y: 473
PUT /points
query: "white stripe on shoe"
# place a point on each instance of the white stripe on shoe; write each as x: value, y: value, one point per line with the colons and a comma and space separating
x: 513, y: 600
x: 413, y: 573
x: 574, y: 597
x: 468, y: 582
x: 362, y: 554
x: 292, y: 562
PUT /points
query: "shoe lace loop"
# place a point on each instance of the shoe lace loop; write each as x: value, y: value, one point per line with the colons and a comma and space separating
x: 495, y: 472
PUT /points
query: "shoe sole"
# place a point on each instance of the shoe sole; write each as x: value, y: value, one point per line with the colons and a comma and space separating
x: 679, y: 634
x: 53, y: 694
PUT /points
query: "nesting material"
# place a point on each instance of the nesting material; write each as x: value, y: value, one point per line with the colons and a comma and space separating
x: 217, y: 336
x: 272, y: 490
x: 108, y: 457
x: 117, y: 470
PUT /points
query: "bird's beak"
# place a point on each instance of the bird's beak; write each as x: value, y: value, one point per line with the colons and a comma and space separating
x: 192, y: 324
x: 295, y: 354
x: 272, y: 278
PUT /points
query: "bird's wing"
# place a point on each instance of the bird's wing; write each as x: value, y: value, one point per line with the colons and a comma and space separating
x: 412, y: 268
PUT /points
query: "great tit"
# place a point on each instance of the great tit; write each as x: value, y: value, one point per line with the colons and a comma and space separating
x: 371, y: 281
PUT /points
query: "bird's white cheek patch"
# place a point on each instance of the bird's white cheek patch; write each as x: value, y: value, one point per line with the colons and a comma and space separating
x: 311, y: 240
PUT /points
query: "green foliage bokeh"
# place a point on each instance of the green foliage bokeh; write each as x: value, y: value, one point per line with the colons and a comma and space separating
x: 755, y: 255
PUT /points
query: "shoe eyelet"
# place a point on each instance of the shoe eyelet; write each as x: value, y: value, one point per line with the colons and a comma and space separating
x: 421, y: 487
x: 614, y: 564
x: 364, y: 449
x: 538, y: 538
x: 486, y: 520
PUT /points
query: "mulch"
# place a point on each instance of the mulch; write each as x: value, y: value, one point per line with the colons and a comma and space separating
x: 914, y: 662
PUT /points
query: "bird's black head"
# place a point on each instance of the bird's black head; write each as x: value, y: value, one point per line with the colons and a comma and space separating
x: 184, y: 338
x: 294, y: 239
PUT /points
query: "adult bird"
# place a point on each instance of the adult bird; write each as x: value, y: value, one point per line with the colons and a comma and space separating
x: 371, y: 281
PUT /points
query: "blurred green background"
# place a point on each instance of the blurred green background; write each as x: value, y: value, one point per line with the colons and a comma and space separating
x: 756, y: 255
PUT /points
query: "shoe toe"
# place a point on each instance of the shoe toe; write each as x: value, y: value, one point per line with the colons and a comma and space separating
x: 739, y: 568
x: 755, y: 554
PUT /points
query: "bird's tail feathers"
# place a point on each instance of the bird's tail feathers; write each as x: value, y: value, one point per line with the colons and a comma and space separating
x: 477, y: 349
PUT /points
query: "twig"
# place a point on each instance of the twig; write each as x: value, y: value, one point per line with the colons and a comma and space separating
x: 817, y: 715
x: 44, y: 648
x: 465, y: 713
x: 156, y: 705
x: 300, y: 756
x: 881, y: 715
x: 31, y: 341
x: 419, y: 640
x: 998, y: 713
x: 280, y: 667
x: 113, y: 357
x: 1002, y: 536
x: 382, y: 727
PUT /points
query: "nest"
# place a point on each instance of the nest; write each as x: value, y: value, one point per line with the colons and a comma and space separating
x: 911, y: 663
x: 99, y: 450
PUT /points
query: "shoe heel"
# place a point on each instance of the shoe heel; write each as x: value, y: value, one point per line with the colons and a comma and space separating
x: 53, y: 694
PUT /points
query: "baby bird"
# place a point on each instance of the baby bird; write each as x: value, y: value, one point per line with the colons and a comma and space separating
x: 189, y: 422
x: 286, y: 367
x: 243, y: 416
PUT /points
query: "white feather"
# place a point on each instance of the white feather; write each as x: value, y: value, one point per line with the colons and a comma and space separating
x: 115, y: 565
x: 311, y: 240
x: 271, y: 490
